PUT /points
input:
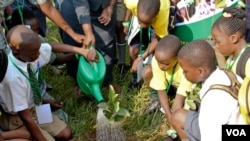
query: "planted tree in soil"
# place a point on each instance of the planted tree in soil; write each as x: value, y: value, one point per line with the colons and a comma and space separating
x: 109, y: 119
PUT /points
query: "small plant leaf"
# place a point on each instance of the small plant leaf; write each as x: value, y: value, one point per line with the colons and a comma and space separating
x: 191, y: 104
x: 111, y: 90
x: 107, y: 114
x: 112, y: 109
x: 116, y: 106
x: 123, y: 112
x: 118, y: 118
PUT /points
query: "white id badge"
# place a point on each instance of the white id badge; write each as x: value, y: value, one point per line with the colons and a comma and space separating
x: 44, y: 114
x: 139, y: 70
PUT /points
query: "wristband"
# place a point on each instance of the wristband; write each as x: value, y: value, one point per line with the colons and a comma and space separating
x: 127, y: 23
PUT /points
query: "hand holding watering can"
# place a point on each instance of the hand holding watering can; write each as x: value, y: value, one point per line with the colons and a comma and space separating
x: 89, y: 54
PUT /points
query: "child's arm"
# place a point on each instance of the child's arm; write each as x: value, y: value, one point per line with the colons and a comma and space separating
x: 63, y: 58
x: 31, y: 125
x: 126, y: 22
x: 89, y: 54
x: 178, y: 102
x: 150, y: 50
x: 163, y: 97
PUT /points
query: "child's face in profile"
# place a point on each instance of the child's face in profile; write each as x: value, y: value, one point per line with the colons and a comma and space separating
x: 29, y: 54
x: 222, y: 42
x: 165, y: 61
x: 145, y: 20
x: 191, y: 73
x: 34, y: 25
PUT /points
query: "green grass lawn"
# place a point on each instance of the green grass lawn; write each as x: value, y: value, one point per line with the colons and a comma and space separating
x: 82, y: 110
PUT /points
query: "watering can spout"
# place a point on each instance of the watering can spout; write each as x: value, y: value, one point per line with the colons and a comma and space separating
x: 96, y: 92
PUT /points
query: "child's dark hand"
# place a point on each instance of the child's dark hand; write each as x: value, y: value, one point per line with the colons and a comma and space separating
x: 135, y: 64
x: 54, y: 104
x: 125, y: 29
x: 105, y: 17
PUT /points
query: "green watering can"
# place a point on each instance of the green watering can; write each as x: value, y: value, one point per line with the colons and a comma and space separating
x: 90, y: 77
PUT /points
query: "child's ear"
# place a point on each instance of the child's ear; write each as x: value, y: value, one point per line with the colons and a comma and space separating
x: 202, y: 72
x: 235, y: 37
x: 15, y: 52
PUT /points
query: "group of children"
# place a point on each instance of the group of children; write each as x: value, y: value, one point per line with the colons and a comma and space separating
x: 197, y: 62
x: 171, y: 72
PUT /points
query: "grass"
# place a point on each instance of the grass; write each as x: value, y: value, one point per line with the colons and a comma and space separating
x: 82, y: 110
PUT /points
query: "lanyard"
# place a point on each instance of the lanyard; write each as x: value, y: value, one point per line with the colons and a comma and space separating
x: 19, y: 10
x: 141, y: 45
x: 171, y: 78
x: 231, y: 62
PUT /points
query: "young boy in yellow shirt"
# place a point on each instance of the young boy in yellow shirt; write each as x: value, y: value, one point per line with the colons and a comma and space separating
x: 167, y: 73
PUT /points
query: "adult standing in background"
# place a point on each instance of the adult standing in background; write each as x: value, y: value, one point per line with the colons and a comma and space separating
x: 96, y: 20
x: 49, y: 10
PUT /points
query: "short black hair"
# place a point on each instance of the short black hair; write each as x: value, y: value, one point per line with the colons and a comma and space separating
x: 3, y: 64
x: 169, y: 44
x: 198, y: 53
x: 21, y: 36
x: 27, y: 14
x: 231, y: 21
x: 149, y: 7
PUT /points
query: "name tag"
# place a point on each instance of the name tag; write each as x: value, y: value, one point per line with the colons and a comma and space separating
x: 44, y: 114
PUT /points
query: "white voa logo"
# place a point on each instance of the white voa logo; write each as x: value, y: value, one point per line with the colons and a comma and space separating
x: 236, y: 132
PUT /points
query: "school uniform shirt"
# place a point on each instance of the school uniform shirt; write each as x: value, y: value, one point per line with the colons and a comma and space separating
x: 160, y: 24
x: 15, y: 90
x: 161, y: 79
x: 217, y: 107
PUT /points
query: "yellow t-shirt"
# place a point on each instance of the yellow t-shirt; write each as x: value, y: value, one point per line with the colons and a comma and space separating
x: 160, y: 25
x: 161, y: 78
x: 231, y: 64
